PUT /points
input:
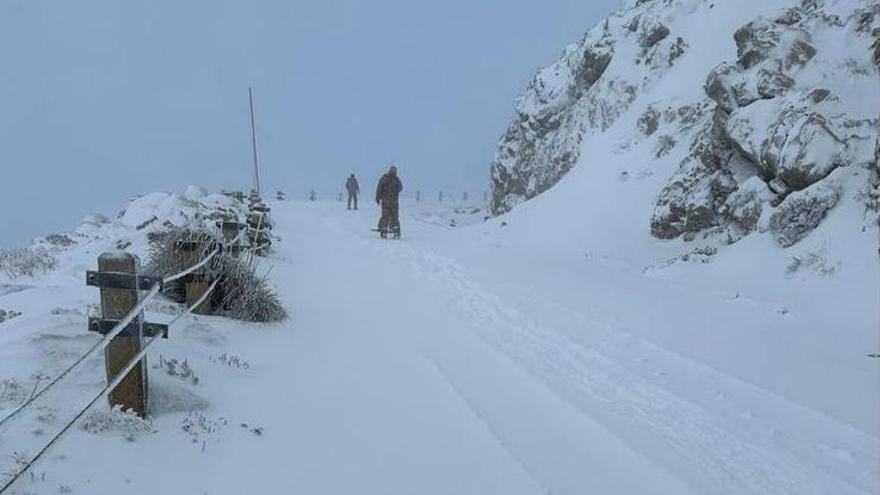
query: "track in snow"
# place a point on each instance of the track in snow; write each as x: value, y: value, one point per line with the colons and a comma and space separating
x: 709, y: 452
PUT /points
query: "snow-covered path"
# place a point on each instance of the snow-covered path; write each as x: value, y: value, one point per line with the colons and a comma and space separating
x: 414, y: 366
x: 569, y: 417
x: 402, y: 396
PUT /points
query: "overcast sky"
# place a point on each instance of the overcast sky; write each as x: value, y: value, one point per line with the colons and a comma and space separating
x: 104, y: 99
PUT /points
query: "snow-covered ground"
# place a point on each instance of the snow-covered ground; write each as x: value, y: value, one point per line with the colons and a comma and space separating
x: 529, y: 353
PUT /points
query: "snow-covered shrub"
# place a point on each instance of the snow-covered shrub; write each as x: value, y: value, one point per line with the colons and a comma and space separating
x: 165, y: 258
x: 26, y: 262
x: 231, y: 360
x: 176, y: 368
x: 241, y: 294
x: 201, y: 428
x: 246, y: 295
x: 815, y: 261
x: 116, y: 420
x: 12, y: 392
x: 59, y: 240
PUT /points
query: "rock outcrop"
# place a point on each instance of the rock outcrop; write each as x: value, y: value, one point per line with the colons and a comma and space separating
x: 774, y: 118
x: 576, y: 96
x: 756, y: 146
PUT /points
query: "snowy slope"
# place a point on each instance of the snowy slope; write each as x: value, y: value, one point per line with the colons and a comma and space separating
x: 593, y: 339
x: 475, y: 359
x: 602, y: 210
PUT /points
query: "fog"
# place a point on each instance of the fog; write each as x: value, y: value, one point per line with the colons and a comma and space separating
x: 105, y: 99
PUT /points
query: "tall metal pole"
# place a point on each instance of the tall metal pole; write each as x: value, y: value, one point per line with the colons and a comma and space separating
x: 254, y: 143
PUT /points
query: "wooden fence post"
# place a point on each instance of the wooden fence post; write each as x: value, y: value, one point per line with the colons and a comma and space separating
x: 440, y: 197
x: 230, y: 228
x: 196, y: 283
x: 115, y: 304
x: 418, y: 196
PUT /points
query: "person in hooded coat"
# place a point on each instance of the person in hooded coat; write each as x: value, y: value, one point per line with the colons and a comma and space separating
x: 387, y: 196
x: 353, y: 188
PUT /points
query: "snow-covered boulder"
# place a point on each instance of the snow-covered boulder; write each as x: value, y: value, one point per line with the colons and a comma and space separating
x: 91, y: 224
x: 195, y: 193
x: 157, y: 207
x: 795, y: 141
x: 788, y: 111
x: 801, y: 212
x: 196, y: 206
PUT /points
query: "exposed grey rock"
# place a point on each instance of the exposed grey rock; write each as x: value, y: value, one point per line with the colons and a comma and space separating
x: 592, y: 66
x: 665, y: 144
x: 754, y: 42
x: 692, y: 200
x: 729, y: 89
x: 688, y: 115
x: 677, y: 50
x: 653, y: 32
x: 649, y: 121
x: 876, y: 47
x: 773, y: 84
x: 819, y: 95
x: 743, y: 208
x: 799, y: 54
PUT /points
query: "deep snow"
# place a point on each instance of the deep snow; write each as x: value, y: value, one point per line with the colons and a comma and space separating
x: 508, y: 356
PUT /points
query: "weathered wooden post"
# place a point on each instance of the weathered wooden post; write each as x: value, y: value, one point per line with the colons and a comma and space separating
x: 196, y: 283
x: 119, y: 279
x: 440, y: 197
x: 231, y: 229
x: 418, y: 196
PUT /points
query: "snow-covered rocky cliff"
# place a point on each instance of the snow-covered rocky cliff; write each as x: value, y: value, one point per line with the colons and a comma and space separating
x: 756, y: 116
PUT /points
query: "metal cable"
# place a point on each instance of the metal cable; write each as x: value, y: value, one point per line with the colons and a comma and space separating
x: 238, y: 238
x: 116, y: 330
x: 101, y: 344
x: 191, y: 269
x: 107, y: 388
x: 196, y: 304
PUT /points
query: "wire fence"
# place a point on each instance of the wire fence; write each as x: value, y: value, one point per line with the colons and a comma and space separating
x: 102, y: 393
x: 114, y: 332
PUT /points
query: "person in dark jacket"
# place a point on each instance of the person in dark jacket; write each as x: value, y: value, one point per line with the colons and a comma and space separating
x: 387, y: 196
x: 353, y: 188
